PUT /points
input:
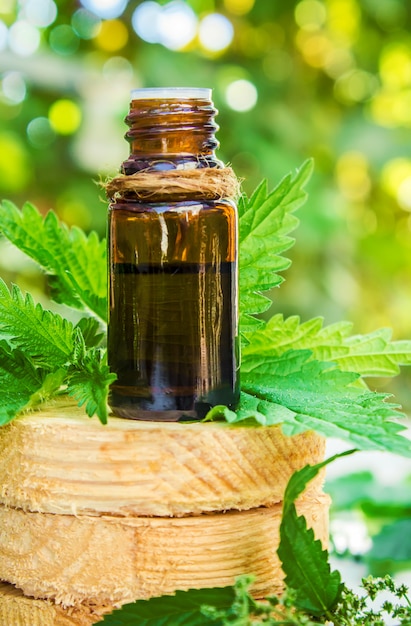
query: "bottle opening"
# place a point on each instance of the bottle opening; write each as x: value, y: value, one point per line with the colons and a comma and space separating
x: 167, y: 93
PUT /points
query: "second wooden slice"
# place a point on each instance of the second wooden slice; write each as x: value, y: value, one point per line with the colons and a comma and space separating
x: 102, y: 561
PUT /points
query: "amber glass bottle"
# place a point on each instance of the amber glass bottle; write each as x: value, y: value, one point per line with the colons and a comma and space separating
x: 173, y: 327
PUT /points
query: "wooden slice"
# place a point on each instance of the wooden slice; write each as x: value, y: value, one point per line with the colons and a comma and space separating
x: 16, y: 609
x: 60, y: 461
x: 106, y: 560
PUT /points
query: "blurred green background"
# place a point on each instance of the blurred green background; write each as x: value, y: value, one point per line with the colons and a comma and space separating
x: 324, y: 78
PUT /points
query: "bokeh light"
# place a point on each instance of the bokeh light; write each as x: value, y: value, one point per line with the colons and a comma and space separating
x: 339, y: 61
x: 64, y: 40
x: 343, y: 21
x: 353, y: 178
x: 15, y: 167
x: 40, y: 132
x: 24, y: 38
x: 316, y: 47
x: 310, y: 14
x: 173, y: 25
x: 395, y: 65
x: 112, y: 35
x: 13, y: 87
x: 239, y: 7
x: 40, y: 13
x: 396, y: 181
x: 116, y: 68
x: 404, y: 194
x: 106, y: 9
x: 85, y: 24
x: 65, y: 116
x: 355, y: 86
x: 392, y: 108
x: 241, y: 95
x: 177, y: 25
x: 215, y: 32
x: 145, y: 20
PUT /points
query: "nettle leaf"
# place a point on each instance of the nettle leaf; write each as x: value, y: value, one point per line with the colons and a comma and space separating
x: 44, y: 336
x: 304, y: 394
x: 184, y: 608
x: 373, y: 354
x: 265, y: 220
x: 88, y: 382
x: 45, y: 352
x: 19, y: 380
x: 76, y: 262
x: 51, y: 386
x: 304, y: 561
x: 91, y: 331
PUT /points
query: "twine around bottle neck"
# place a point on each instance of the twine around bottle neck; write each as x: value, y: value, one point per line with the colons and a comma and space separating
x: 205, y: 183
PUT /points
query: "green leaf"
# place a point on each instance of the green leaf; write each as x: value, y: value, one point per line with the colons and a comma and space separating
x: 44, y: 336
x: 362, y: 491
x: 373, y: 354
x: 304, y: 561
x: 350, y: 490
x: 265, y: 221
x: 50, y: 387
x: 304, y: 394
x: 91, y: 331
x: 391, y: 549
x: 19, y: 380
x: 88, y: 382
x: 181, y: 609
x: 53, y: 352
x: 76, y: 262
x: 306, y: 566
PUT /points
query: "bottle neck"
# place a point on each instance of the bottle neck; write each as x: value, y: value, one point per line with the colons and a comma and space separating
x: 171, y: 134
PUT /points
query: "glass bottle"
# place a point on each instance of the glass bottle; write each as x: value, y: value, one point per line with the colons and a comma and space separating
x: 173, y: 314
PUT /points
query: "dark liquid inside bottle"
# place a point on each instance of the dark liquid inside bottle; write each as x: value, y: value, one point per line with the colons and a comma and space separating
x: 173, y: 329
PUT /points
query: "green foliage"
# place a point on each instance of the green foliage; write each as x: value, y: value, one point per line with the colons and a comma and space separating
x: 303, y: 559
x: 282, y: 381
x: 356, y: 227
x: 391, y: 548
x: 75, y: 262
x: 88, y: 382
x: 23, y: 385
x: 265, y: 220
x: 357, y: 610
x: 184, y: 608
x: 44, y: 336
x: 361, y: 491
x: 91, y: 331
x: 42, y: 354
x: 286, y: 374
x: 19, y: 379
x: 386, y: 510
x: 302, y: 394
x: 373, y: 354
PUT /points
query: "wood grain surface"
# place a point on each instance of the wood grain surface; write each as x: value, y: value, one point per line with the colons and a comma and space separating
x: 60, y: 461
x: 105, y: 560
x: 17, y: 609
